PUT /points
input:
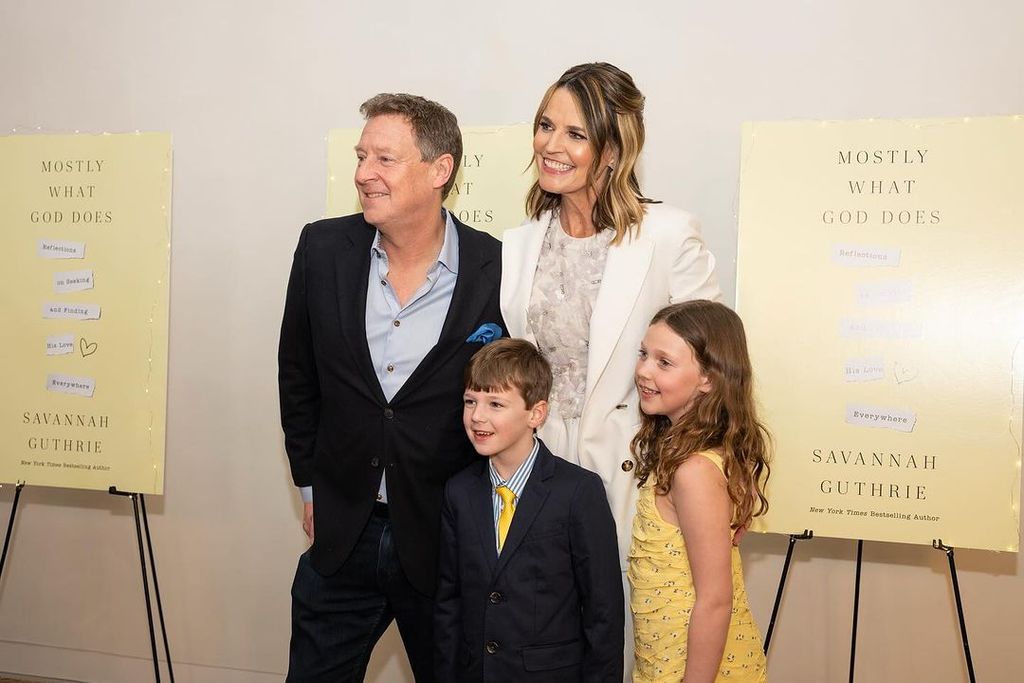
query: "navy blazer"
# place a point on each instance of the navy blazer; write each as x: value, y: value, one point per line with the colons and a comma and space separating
x: 550, y: 607
x: 340, y: 432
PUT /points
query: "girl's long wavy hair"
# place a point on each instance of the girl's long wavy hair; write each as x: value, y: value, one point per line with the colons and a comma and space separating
x: 612, y: 108
x: 723, y: 420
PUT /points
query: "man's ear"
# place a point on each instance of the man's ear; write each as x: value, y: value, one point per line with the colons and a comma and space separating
x: 444, y: 168
x: 538, y: 414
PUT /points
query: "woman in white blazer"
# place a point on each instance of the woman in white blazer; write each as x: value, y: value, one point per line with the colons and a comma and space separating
x: 585, y: 274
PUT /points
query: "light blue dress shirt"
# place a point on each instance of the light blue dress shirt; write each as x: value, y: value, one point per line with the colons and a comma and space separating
x: 516, y: 483
x: 400, y: 336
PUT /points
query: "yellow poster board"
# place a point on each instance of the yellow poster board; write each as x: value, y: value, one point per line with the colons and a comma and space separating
x: 881, y: 282
x: 490, y: 189
x: 85, y: 244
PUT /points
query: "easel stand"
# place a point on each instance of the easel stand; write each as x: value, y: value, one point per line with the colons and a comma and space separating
x: 10, y: 526
x: 793, y: 538
x: 937, y: 544
x: 141, y: 522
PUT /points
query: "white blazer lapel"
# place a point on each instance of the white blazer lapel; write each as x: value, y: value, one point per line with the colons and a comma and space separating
x: 520, y: 251
x: 624, y: 275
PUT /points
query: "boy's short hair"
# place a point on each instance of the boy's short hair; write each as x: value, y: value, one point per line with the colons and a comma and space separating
x: 510, y: 363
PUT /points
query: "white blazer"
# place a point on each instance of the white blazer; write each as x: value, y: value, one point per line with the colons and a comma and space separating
x: 666, y: 263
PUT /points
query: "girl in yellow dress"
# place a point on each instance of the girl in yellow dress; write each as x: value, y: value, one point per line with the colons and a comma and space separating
x: 702, y: 461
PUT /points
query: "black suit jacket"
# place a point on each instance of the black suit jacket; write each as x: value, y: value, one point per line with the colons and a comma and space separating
x: 550, y: 607
x: 340, y: 432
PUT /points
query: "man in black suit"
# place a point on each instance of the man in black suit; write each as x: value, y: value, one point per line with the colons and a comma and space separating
x: 383, y: 311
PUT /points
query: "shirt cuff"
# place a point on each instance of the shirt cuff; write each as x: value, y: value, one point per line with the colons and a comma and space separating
x: 307, y: 493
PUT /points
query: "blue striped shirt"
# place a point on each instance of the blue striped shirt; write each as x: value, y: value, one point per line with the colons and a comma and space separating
x: 516, y: 483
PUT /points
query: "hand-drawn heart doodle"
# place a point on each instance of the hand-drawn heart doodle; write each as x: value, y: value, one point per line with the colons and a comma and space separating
x: 86, y: 348
x: 903, y: 373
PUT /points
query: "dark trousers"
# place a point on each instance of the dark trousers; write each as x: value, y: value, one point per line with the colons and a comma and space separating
x: 337, y: 619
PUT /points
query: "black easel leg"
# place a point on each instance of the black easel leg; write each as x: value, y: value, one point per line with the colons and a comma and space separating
x: 856, y: 608
x: 156, y: 586
x: 793, y: 538
x: 10, y: 526
x: 938, y: 545
x: 145, y: 587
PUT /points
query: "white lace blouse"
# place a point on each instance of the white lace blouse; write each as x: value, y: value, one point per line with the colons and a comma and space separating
x: 565, y: 287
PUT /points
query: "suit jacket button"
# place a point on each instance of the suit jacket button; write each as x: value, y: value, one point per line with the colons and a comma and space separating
x: 389, y: 413
x: 627, y: 465
x: 494, y: 597
x: 374, y: 462
x: 491, y: 647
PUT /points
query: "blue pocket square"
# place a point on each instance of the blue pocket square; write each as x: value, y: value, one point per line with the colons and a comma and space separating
x: 487, y: 332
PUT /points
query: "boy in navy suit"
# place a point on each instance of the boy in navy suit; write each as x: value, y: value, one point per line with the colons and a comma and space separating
x: 529, y: 586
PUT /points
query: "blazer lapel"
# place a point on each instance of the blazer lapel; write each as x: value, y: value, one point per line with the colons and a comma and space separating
x: 624, y: 275
x: 352, y: 271
x: 482, y: 507
x: 529, y: 506
x: 520, y: 252
x: 477, y: 279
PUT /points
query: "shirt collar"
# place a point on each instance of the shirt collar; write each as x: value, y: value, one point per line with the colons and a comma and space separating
x: 517, y: 482
x: 449, y: 254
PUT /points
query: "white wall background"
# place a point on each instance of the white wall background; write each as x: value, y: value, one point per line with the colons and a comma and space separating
x: 249, y: 90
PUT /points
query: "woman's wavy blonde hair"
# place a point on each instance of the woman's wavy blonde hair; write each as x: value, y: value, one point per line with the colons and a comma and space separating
x: 723, y: 420
x: 613, y: 113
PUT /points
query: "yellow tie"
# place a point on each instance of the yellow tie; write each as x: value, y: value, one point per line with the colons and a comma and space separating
x: 508, y: 508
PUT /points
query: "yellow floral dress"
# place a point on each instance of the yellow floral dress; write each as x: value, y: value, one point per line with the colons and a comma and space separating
x: 663, y: 596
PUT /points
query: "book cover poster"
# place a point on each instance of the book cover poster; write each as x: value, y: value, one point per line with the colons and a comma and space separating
x: 880, y: 281
x: 493, y: 176
x: 85, y: 245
